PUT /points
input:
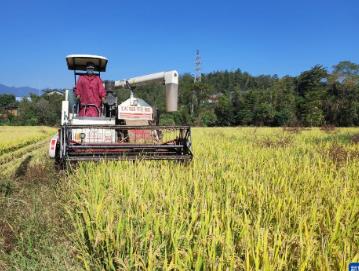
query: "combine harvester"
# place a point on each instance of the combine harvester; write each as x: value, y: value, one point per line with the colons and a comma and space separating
x: 126, y: 131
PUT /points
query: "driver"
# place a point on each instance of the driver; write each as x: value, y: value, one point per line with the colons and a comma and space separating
x: 90, y: 91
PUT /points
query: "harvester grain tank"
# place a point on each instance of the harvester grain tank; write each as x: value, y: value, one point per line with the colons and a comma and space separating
x: 128, y: 130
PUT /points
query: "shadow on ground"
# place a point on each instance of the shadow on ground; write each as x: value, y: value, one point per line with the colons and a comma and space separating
x: 21, y: 170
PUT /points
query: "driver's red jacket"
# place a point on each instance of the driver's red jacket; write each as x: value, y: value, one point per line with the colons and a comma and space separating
x: 91, y: 91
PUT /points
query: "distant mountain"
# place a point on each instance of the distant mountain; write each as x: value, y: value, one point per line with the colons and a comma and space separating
x: 18, y: 91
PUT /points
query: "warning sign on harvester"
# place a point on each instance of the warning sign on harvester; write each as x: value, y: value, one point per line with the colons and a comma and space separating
x: 135, y: 109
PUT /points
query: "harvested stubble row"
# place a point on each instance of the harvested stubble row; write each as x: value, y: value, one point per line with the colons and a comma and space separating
x: 18, y: 143
x: 240, y: 205
x: 19, y: 153
x: 34, y: 156
x: 13, y: 138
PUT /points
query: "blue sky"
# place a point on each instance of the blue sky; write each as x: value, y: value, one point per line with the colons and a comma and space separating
x: 138, y: 37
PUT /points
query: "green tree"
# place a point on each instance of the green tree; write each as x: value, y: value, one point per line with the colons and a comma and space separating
x: 311, y: 87
x: 284, y: 101
x: 224, y: 111
x: 341, y: 103
x: 7, y: 99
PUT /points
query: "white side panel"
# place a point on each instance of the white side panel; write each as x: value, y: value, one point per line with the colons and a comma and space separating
x: 64, y: 112
x: 66, y: 95
x: 52, y: 146
x: 94, y: 135
x: 93, y: 121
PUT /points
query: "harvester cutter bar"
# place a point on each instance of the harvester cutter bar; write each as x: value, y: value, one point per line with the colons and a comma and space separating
x: 124, y: 146
x: 132, y: 127
x: 178, y: 148
x: 129, y: 157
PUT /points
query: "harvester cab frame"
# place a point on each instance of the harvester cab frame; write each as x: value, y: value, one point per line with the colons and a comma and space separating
x: 78, y: 64
x: 122, y: 130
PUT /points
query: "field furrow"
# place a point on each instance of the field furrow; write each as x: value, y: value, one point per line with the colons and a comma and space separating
x: 9, y: 157
x: 19, y: 143
x: 15, y: 138
x: 10, y: 168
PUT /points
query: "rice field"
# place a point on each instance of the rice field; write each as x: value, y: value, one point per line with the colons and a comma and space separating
x: 19, y: 142
x: 252, y: 199
x: 32, y: 223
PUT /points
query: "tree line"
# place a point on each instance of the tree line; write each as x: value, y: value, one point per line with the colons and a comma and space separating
x: 33, y: 110
x: 316, y: 97
x: 227, y: 98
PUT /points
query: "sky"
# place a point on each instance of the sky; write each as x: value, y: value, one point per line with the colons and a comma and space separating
x: 139, y: 37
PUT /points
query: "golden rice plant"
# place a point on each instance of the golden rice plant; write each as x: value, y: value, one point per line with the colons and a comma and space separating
x: 13, y: 138
x: 19, y: 142
x: 252, y: 199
